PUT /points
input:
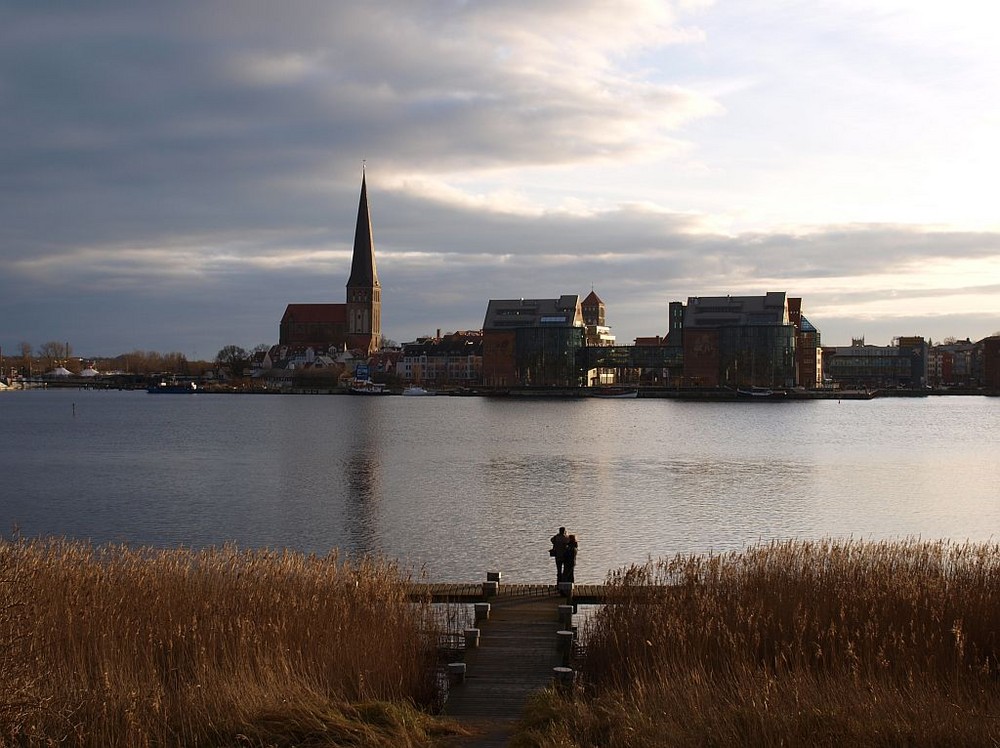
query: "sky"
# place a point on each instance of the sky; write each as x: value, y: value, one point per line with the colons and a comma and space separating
x: 172, y: 175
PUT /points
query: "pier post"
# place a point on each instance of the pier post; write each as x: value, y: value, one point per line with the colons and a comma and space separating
x: 490, y: 589
x: 482, y: 611
x: 565, y: 641
x: 471, y: 638
x: 494, y: 576
x: 456, y: 673
x: 563, y: 677
x: 566, y: 616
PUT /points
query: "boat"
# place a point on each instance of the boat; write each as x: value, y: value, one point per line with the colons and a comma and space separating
x: 416, y: 391
x: 615, y: 394
x: 761, y: 393
x: 164, y: 387
x: 368, y: 387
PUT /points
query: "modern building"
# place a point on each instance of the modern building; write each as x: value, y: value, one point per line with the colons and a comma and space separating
x: 533, y: 342
x: 876, y: 367
x: 736, y: 341
x: 355, y: 325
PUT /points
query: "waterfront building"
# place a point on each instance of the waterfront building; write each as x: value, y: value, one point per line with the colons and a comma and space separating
x: 594, y: 319
x: 455, y: 359
x: 986, y: 363
x: 873, y: 367
x: 533, y: 342
x: 950, y: 364
x: 808, y: 348
x: 356, y: 324
x: 737, y: 341
x: 597, y: 334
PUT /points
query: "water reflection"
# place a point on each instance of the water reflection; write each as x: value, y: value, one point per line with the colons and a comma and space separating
x: 464, y: 485
x: 363, y: 477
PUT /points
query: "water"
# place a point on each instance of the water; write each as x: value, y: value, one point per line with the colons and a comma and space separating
x: 457, y: 486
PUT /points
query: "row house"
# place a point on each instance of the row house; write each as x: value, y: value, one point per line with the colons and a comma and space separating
x: 456, y: 358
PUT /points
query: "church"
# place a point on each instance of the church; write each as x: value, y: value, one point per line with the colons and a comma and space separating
x: 355, y: 325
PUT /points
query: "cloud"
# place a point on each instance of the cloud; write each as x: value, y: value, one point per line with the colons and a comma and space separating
x: 173, y: 175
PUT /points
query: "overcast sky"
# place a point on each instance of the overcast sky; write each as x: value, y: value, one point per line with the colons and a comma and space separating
x: 173, y: 174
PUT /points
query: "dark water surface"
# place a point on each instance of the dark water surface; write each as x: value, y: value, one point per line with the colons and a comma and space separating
x: 461, y: 485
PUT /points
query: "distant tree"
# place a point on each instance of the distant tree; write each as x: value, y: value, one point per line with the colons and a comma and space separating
x: 52, y: 352
x: 260, y: 348
x: 233, y: 359
x: 950, y: 340
x: 26, y: 359
x: 385, y: 343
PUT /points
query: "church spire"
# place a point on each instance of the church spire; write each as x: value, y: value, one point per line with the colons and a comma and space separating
x: 363, y: 273
x: 364, y: 296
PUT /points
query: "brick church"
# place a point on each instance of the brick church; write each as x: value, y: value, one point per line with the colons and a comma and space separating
x: 357, y: 324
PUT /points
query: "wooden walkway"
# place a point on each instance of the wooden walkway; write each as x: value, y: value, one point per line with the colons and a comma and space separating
x: 517, y: 652
x: 583, y: 594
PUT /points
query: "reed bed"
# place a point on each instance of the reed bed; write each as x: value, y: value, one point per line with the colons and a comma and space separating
x: 138, y: 647
x: 792, y: 643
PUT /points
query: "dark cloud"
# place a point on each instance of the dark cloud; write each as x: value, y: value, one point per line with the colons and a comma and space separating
x: 172, y: 175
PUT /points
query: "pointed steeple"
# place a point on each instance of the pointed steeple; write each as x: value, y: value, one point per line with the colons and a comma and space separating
x: 364, y: 295
x: 363, y: 273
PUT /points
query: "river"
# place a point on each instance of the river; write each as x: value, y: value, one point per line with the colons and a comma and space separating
x: 455, y: 486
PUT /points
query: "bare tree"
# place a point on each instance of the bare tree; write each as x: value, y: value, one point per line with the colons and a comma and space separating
x: 51, y: 352
x: 233, y: 359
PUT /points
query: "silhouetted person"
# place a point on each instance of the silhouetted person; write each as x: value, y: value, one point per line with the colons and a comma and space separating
x: 558, y: 551
x: 569, y: 559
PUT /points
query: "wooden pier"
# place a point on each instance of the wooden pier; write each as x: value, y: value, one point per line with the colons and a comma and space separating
x: 583, y: 594
x: 523, y: 640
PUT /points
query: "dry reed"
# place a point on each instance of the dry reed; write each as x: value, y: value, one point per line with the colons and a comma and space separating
x: 115, y: 646
x: 792, y: 643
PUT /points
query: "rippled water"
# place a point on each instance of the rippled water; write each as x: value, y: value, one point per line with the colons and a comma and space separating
x: 457, y: 486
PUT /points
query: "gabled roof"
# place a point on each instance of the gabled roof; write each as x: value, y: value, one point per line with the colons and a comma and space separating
x: 363, y: 272
x: 592, y: 299
x: 315, y: 313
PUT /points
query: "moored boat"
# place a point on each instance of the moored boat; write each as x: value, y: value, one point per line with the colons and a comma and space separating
x: 368, y: 387
x: 416, y: 391
x: 164, y: 387
x: 761, y: 393
x: 615, y: 394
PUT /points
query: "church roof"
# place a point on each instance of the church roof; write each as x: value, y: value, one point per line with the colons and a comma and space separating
x: 315, y: 313
x: 363, y: 263
x: 592, y: 299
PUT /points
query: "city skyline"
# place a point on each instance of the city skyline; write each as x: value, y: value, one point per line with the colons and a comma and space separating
x: 175, y: 176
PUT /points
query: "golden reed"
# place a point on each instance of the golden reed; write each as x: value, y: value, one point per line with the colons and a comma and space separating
x: 139, y: 647
x: 796, y: 644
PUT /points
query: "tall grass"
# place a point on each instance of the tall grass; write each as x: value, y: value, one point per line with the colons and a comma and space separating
x: 794, y: 643
x: 115, y: 646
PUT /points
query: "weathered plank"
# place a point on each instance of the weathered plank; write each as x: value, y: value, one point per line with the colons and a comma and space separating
x: 517, y: 652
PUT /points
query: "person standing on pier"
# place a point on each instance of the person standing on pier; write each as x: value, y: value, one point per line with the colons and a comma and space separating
x: 569, y: 559
x: 558, y: 551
